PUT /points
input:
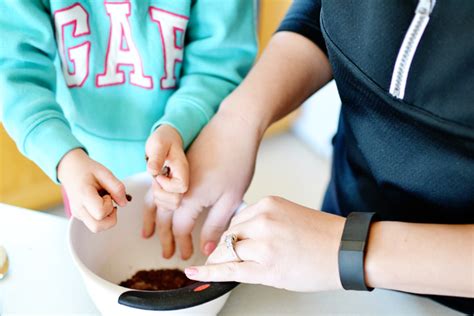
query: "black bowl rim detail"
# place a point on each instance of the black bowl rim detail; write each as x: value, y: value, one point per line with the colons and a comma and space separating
x: 184, y: 297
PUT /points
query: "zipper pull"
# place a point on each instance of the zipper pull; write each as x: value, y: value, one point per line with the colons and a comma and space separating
x: 425, y: 7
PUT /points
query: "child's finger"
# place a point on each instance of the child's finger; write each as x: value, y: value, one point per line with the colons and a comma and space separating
x: 149, y: 216
x: 113, y: 186
x: 178, y: 179
x: 156, y: 153
x: 111, y: 219
x: 94, y: 225
x: 170, y: 201
x: 164, y: 225
x: 97, y: 206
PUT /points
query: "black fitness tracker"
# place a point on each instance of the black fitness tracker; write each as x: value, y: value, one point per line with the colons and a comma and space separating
x: 352, y: 251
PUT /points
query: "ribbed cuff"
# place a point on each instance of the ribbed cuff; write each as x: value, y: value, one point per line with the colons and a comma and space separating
x: 47, y: 143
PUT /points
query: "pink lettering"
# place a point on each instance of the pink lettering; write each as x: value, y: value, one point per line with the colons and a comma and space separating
x: 120, y: 36
x: 77, y: 16
x: 169, y: 24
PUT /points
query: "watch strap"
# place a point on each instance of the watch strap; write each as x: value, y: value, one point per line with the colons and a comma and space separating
x: 352, y: 251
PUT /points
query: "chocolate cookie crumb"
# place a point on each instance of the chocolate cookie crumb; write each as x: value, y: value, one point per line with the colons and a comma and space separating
x: 157, y: 280
x: 103, y: 192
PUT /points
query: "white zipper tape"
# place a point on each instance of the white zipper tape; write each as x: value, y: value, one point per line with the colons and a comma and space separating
x: 409, y: 45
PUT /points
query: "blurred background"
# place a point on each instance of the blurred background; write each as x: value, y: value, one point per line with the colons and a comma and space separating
x: 293, y: 161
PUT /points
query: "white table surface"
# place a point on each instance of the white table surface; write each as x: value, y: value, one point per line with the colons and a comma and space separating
x: 43, y: 280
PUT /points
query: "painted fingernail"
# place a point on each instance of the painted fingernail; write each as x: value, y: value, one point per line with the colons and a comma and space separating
x: 102, y: 192
x: 146, y: 158
x: 129, y: 197
x: 209, y: 247
x: 191, y: 271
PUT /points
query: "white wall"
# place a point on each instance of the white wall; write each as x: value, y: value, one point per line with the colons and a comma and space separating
x: 317, y: 123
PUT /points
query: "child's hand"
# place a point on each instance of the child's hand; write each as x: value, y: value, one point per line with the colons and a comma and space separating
x: 164, y: 148
x: 85, y: 182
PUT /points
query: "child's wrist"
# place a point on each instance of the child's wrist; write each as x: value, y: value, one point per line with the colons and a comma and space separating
x: 68, y: 160
x: 170, y: 131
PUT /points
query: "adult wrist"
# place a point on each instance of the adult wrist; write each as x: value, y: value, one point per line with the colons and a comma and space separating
x: 234, y: 108
x: 373, y: 270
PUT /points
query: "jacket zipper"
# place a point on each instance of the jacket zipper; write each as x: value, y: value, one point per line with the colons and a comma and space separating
x: 407, y: 50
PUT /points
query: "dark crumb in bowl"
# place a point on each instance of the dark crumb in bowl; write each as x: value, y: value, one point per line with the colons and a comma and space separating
x: 157, y: 280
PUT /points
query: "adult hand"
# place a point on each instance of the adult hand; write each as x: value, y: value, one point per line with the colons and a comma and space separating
x: 91, y: 189
x: 222, y: 158
x: 282, y: 244
x: 222, y: 162
x: 164, y: 150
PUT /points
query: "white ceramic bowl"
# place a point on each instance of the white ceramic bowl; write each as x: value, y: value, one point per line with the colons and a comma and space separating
x: 107, y: 258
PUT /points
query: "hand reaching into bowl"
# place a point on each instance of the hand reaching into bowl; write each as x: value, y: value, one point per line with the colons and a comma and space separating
x: 222, y: 162
x: 168, y: 165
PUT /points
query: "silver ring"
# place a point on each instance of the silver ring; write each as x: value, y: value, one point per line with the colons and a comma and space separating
x: 230, y: 241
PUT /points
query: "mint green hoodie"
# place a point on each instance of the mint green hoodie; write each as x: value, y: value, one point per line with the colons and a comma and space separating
x: 103, y: 75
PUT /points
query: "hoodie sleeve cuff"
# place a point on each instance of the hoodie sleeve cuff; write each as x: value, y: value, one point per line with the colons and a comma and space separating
x: 186, y: 117
x: 47, y: 143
